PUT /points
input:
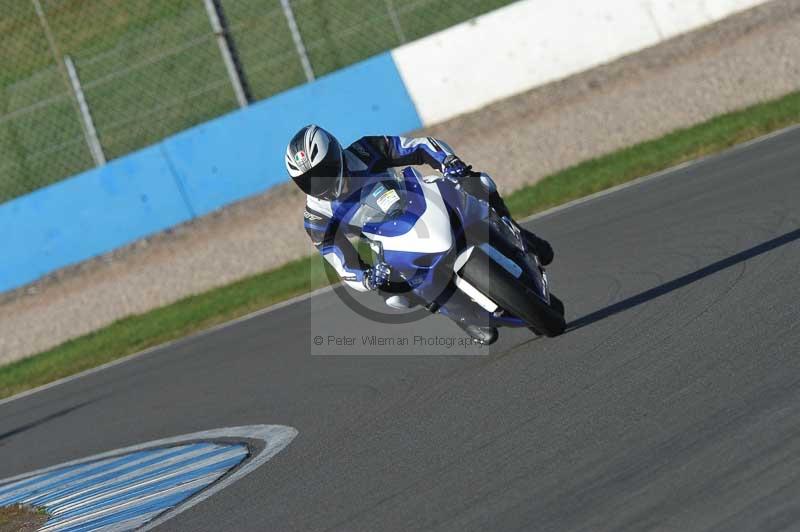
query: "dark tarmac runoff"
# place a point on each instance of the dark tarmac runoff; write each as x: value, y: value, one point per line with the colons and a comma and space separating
x: 672, y: 402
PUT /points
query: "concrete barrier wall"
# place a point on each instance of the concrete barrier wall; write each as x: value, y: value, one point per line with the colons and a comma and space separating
x: 533, y: 42
x: 86, y: 215
x: 241, y: 154
x: 238, y: 155
x: 192, y: 173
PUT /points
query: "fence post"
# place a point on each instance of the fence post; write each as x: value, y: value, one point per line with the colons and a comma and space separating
x: 62, y: 69
x: 298, y: 40
x: 227, y: 56
x: 88, y: 124
x: 398, y: 29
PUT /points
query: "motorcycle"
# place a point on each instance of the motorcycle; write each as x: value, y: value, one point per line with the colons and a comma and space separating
x: 449, y: 251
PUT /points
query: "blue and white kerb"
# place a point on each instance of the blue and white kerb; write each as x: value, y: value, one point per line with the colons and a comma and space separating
x: 135, y: 486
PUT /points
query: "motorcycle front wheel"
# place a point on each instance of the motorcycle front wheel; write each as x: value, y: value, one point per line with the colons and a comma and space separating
x: 513, y: 295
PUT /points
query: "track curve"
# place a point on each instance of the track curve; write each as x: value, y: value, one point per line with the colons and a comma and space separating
x: 672, y: 403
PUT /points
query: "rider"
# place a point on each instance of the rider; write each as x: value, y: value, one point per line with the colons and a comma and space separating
x: 326, y: 172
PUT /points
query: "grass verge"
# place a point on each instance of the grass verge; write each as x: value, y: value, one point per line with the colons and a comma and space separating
x: 195, y: 313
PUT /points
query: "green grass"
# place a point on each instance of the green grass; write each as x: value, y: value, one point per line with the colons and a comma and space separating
x: 195, y: 313
x: 709, y: 137
x: 341, y: 32
x: 138, y: 332
x: 152, y: 68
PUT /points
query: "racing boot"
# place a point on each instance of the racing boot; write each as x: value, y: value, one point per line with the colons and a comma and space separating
x: 540, y: 247
x: 482, y: 335
x: 497, y: 203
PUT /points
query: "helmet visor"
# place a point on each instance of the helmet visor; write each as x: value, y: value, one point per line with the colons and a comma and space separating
x: 325, y: 179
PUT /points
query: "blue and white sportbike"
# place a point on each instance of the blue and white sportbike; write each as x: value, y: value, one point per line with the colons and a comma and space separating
x: 450, y: 252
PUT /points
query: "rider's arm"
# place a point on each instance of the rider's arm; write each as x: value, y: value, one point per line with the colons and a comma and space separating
x: 404, y: 151
x: 337, y: 250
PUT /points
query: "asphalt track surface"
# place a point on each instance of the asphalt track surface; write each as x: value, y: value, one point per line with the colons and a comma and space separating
x: 673, y: 402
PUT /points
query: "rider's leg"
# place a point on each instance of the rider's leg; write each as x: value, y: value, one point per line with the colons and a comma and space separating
x: 483, y: 334
x: 484, y: 187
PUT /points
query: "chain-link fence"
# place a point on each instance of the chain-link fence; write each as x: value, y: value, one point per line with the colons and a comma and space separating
x: 85, y: 81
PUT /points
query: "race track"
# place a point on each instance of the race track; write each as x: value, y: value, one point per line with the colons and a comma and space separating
x: 673, y: 402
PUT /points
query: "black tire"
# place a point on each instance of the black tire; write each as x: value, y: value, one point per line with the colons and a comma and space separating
x: 512, y: 294
x: 536, y: 331
x: 557, y: 305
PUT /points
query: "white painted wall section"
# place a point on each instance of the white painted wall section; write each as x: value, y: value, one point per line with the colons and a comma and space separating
x: 533, y: 42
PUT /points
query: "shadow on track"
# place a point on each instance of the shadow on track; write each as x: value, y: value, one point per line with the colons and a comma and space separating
x: 685, y: 280
x: 33, y: 424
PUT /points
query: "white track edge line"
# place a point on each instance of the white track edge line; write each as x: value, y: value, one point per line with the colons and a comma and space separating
x: 318, y: 291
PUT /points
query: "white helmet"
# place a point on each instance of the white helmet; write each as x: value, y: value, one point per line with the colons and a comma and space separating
x: 315, y: 160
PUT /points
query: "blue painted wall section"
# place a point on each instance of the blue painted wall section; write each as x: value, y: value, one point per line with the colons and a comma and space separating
x: 241, y: 154
x: 194, y: 172
x: 86, y: 215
